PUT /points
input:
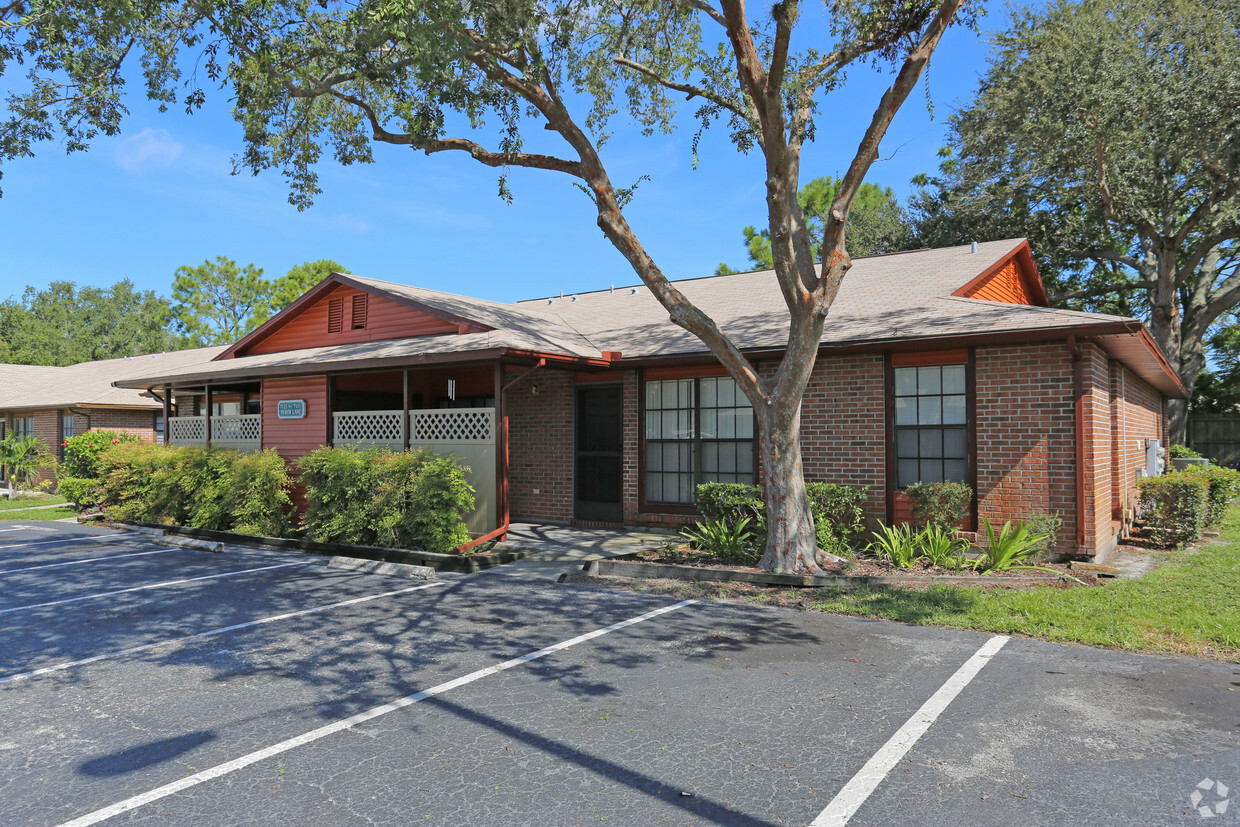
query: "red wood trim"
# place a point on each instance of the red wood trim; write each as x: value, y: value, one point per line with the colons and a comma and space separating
x: 358, y: 311
x: 889, y: 420
x: 276, y: 321
x: 485, y: 538
x: 959, y: 356
x: 1153, y: 347
x: 970, y: 412
x: 686, y: 372
x: 1026, y: 268
x: 335, y: 314
x: 1078, y: 392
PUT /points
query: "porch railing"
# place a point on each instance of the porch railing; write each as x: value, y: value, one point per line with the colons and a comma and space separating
x: 188, y: 430
x: 452, y: 425
x: 242, y: 432
x: 369, y: 429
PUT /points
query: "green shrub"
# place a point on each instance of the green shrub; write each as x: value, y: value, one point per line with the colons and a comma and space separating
x: 258, y: 499
x: 401, y: 500
x: 729, y: 501
x: 730, y: 542
x: 82, y: 451
x: 943, y: 504
x: 1182, y: 452
x: 1045, y: 525
x: 1174, y: 507
x: 83, y: 493
x: 1223, y: 486
x: 838, y: 517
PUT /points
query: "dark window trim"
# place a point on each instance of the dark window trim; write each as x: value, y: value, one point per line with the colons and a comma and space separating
x: 676, y: 508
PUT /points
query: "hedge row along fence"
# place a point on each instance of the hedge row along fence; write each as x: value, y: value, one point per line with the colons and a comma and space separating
x: 412, y: 500
x: 1177, y: 507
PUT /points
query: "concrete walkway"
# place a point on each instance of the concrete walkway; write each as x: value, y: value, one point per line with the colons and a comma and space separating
x: 567, y: 548
x: 33, y: 508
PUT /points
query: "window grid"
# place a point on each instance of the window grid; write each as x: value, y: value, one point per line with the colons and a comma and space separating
x: 696, y: 430
x: 931, y: 427
x: 23, y: 426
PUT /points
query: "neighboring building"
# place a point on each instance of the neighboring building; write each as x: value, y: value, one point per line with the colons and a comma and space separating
x: 595, y: 409
x: 54, y: 403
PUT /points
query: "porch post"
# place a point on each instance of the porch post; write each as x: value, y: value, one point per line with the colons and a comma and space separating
x: 331, y: 405
x: 167, y: 414
x: 501, y: 451
x: 404, y: 422
x: 208, y: 414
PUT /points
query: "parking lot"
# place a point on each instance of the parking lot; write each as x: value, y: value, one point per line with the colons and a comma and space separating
x: 145, y: 684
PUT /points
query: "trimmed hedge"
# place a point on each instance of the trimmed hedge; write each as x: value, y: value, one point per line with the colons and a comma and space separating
x: 82, y: 452
x: 84, y: 493
x: 411, y: 499
x: 210, y: 488
x: 942, y: 504
x: 1174, y: 507
x: 1223, y: 484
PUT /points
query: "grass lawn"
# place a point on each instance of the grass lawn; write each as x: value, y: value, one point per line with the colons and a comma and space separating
x: 19, y: 516
x: 30, y: 502
x: 1189, y: 606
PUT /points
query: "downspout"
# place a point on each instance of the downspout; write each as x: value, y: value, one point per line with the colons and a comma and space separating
x: 501, y: 449
x: 1078, y: 392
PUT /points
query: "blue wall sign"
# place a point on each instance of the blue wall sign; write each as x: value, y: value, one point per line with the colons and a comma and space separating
x: 291, y: 409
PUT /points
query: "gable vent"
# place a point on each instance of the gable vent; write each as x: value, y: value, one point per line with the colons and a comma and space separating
x: 359, y: 311
x: 335, y: 315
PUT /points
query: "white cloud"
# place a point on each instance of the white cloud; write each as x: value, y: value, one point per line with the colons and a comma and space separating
x: 149, y: 148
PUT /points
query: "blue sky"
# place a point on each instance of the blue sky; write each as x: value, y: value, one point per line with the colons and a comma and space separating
x: 161, y: 195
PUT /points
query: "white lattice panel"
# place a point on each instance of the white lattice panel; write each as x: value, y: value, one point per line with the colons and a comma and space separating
x: 188, y: 429
x: 368, y: 427
x: 454, y: 425
x: 245, y: 428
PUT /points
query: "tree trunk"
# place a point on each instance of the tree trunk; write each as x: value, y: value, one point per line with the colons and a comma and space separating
x: 791, y: 544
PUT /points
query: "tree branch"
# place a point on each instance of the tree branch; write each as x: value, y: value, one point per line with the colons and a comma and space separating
x: 689, y: 90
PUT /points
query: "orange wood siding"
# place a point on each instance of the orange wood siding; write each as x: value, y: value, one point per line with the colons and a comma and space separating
x: 1004, y: 285
x: 294, y: 438
x: 385, y: 319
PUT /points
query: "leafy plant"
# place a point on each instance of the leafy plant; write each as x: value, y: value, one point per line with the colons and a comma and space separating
x: 1011, y: 547
x: 82, y: 451
x: 941, y: 547
x: 943, y: 504
x: 838, y: 516
x: 729, y: 542
x: 1046, y: 525
x: 1223, y: 486
x: 22, y: 456
x: 84, y: 493
x: 897, y: 543
x: 1174, y: 507
x: 1182, y: 452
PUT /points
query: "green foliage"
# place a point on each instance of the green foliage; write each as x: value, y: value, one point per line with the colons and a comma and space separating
x: 940, y: 547
x: 300, y: 278
x: 64, y: 324
x: 1182, y: 452
x: 82, y: 451
x: 1222, y: 488
x: 729, y: 501
x: 401, y: 500
x: 1175, y: 507
x: 876, y: 224
x: 207, y: 488
x: 838, y: 516
x: 730, y: 542
x: 943, y: 504
x: 897, y: 543
x: 1011, y: 547
x: 84, y: 493
x: 218, y: 302
x: 22, y: 456
x: 1045, y: 525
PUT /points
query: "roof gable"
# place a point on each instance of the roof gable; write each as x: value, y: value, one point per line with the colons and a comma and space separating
x: 1011, y: 280
x: 343, y: 310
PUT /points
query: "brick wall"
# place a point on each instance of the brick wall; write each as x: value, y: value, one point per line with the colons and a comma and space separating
x: 540, y: 446
x: 47, y: 427
x: 1026, y: 449
x: 1096, y: 373
x: 1138, y: 417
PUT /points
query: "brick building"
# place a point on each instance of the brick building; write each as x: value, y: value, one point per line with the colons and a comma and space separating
x: 595, y: 409
x: 54, y: 403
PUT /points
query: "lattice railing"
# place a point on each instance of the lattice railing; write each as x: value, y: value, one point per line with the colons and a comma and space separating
x: 239, y: 431
x: 380, y: 429
x: 188, y: 430
x: 454, y: 425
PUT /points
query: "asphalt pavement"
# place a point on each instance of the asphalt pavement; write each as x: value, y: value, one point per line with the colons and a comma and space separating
x: 143, y: 684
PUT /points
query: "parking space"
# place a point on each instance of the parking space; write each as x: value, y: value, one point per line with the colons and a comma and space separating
x: 288, y: 692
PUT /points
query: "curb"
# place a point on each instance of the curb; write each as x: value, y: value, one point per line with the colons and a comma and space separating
x: 377, y: 567
x: 467, y: 564
x: 620, y: 568
x: 178, y: 542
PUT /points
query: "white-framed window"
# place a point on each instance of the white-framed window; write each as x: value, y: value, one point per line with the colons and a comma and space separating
x: 696, y: 431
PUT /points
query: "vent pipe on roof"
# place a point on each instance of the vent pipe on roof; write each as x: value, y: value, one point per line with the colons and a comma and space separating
x: 632, y: 291
x: 573, y: 299
x: 973, y: 247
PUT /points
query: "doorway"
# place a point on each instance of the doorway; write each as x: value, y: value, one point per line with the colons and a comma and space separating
x: 597, y: 448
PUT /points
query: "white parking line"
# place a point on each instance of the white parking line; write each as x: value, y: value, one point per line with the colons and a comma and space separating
x: 863, y: 784
x: 211, y: 633
x: 330, y: 729
x: 148, y: 586
x: 97, y: 539
x: 90, y: 560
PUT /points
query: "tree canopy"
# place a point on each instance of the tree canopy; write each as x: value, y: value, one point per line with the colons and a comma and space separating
x: 65, y: 324
x: 517, y: 83
x: 877, y: 224
x: 1108, y: 131
x: 217, y: 302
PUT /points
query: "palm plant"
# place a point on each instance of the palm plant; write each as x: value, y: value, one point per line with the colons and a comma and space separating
x: 898, y: 543
x: 21, y: 455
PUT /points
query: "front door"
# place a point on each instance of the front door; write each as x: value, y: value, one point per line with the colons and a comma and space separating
x: 597, y: 448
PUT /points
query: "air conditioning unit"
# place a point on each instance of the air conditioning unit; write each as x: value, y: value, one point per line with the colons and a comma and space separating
x: 1151, y: 457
